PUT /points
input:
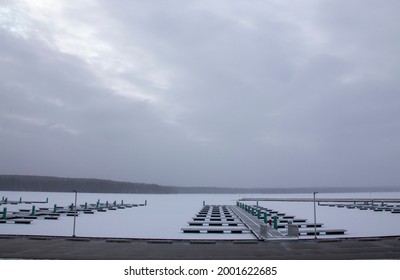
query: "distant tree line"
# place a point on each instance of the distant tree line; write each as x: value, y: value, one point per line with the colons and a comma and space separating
x: 60, y: 184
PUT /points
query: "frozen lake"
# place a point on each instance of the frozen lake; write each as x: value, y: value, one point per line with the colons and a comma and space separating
x: 165, y: 215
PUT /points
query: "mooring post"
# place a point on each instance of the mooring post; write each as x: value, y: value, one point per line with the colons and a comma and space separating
x: 204, y: 203
x: 122, y: 202
x: 4, y: 216
x: 145, y: 203
x: 265, y: 217
x: 97, y: 203
x: 85, y: 205
x: 115, y: 202
x: 33, y: 210
x: 55, y: 208
x: 20, y: 199
x: 275, y: 222
x: 47, y: 199
x: 107, y: 203
x: 259, y: 214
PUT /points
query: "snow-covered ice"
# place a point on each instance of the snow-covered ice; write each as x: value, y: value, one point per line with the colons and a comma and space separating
x: 165, y: 215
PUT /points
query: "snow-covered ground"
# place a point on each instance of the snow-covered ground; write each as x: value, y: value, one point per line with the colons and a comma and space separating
x: 165, y: 215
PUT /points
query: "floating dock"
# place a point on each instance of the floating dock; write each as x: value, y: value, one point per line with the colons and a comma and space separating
x: 26, y: 216
x: 5, y: 200
x: 354, y: 200
x: 286, y: 225
x: 374, y: 206
x: 256, y: 225
x: 216, y: 219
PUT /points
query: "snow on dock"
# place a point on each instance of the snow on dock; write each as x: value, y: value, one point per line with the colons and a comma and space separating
x: 26, y: 216
x: 283, y: 224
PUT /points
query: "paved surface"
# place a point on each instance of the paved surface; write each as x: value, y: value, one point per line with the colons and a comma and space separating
x: 36, y: 247
x: 254, y: 224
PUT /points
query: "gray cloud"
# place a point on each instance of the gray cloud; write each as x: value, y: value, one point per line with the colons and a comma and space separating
x: 207, y: 93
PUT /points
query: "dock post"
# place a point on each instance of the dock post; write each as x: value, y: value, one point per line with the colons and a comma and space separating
x: 115, y: 202
x: 47, y: 199
x: 259, y: 214
x: 257, y: 203
x: 122, y: 202
x: 265, y: 217
x: 2, y: 199
x: 107, y: 203
x: 20, y: 199
x: 33, y: 210
x: 55, y: 208
x: 275, y: 222
x: 4, y: 216
x: 145, y: 202
x: 6, y: 200
x: 204, y: 203
x: 85, y: 205
x: 97, y: 203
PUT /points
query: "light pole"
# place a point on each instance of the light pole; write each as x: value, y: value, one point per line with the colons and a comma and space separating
x: 76, y: 195
x: 315, y: 218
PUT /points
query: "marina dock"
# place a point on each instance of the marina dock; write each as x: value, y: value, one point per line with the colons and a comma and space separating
x: 351, y: 200
x: 254, y: 224
x: 26, y: 216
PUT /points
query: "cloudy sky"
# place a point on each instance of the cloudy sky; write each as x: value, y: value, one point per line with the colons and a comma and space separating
x: 236, y: 93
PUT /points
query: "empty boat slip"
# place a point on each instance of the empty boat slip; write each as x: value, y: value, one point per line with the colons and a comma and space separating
x: 216, y: 219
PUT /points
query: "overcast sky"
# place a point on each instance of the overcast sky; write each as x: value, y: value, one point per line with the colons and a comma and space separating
x: 234, y: 93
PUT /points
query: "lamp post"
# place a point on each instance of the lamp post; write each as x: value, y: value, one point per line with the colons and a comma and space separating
x: 76, y: 195
x: 315, y: 218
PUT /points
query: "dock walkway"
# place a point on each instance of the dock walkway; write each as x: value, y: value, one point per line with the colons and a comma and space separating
x: 254, y: 224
